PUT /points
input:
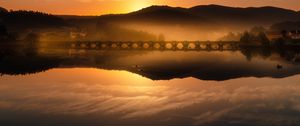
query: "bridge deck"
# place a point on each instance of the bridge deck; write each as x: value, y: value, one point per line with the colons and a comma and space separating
x: 174, y: 45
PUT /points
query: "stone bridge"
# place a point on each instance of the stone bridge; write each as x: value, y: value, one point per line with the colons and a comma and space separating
x: 174, y: 45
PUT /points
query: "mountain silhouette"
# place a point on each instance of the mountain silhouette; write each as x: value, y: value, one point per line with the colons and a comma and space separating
x: 202, y: 14
x: 156, y: 14
x: 250, y: 14
x: 166, y: 13
x: 203, y: 22
x: 209, y: 14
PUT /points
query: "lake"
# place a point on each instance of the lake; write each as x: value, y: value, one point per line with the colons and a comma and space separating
x: 78, y: 87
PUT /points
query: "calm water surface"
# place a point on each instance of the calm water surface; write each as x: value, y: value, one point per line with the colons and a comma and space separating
x: 98, y: 88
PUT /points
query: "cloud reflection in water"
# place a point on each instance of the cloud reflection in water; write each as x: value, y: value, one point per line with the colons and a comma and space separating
x: 126, y: 96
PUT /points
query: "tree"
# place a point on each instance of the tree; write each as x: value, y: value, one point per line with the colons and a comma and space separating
x: 263, y: 39
x: 3, y: 10
x: 31, y: 44
x: 284, y: 33
x: 3, y: 32
x: 161, y: 37
x: 246, y: 37
x: 255, y: 38
x: 32, y: 37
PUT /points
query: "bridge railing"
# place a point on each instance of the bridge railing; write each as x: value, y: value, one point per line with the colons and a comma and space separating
x: 172, y: 45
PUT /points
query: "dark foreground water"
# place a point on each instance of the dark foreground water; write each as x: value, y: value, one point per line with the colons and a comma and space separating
x: 53, y: 87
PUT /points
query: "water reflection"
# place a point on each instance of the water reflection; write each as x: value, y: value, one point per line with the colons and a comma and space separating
x: 101, y: 97
x: 58, y: 86
x: 162, y: 65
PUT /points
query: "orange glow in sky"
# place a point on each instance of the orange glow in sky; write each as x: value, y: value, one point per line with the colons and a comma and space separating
x: 99, y: 7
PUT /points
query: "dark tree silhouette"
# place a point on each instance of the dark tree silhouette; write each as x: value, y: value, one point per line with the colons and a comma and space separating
x: 161, y: 37
x: 3, y: 33
x: 3, y: 10
x: 32, y: 37
x: 20, y: 20
x: 31, y: 44
x: 255, y: 38
x: 246, y: 37
x: 284, y: 33
x: 263, y: 39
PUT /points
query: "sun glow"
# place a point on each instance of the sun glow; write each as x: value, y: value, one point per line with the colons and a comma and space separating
x: 138, y: 4
x: 99, y: 7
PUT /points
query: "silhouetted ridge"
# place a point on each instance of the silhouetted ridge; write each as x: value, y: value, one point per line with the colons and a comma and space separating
x: 30, y: 19
x: 165, y: 13
x: 3, y: 9
x: 250, y: 14
x: 158, y: 9
x: 212, y: 14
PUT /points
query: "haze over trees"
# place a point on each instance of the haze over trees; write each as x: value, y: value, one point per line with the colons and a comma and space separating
x: 231, y: 37
x: 50, y: 28
x: 250, y: 38
x: 204, y: 22
x: 287, y: 26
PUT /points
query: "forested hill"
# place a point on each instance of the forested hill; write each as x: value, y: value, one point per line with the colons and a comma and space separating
x: 20, y: 20
x: 209, y: 14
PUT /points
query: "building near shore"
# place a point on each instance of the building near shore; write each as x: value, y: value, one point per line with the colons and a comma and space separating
x: 294, y: 34
x: 275, y: 35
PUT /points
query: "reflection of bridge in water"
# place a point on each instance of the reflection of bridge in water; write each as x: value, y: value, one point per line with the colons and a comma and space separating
x: 175, y: 45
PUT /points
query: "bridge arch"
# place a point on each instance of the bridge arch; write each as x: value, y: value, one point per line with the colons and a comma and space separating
x: 124, y: 45
x: 135, y: 46
x: 180, y: 46
x: 146, y: 45
x: 157, y: 46
x: 93, y: 45
x: 191, y: 45
x: 168, y: 45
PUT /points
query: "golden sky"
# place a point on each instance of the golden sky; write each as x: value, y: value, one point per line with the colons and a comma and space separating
x: 99, y: 7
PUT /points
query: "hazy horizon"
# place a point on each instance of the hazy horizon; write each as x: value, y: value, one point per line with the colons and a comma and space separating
x: 101, y: 7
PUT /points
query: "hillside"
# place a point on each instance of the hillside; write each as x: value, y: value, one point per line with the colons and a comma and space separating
x: 22, y: 20
x: 209, y: 13
x: 204, y: 22
x: 3, y: 9
x: 288, y: 25
x: 260, y: 15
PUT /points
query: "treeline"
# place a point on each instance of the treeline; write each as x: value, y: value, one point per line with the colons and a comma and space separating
x: 4, y: 35
x: 13, y: 37
x: 17, y: 25
x: 21, y: 25
x: 256, y: 36
x: 281, y: 34
x: 24, y: 20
